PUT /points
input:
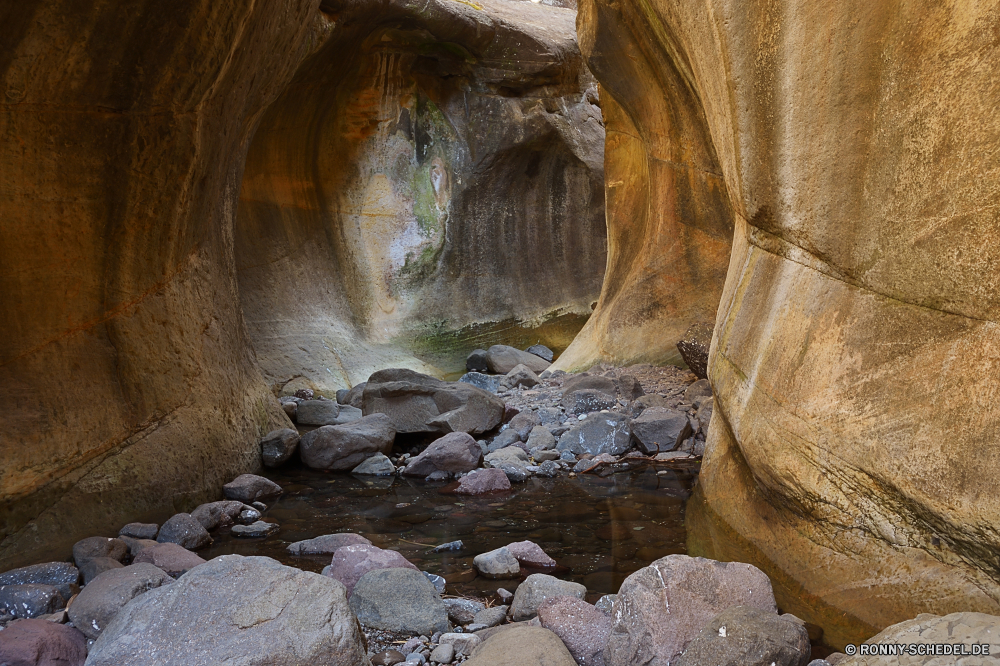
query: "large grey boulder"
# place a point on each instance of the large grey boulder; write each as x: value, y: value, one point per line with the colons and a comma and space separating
x: 499, y: 563
x: 956, y: 629
x: 400, y: 600
x: 30, y: 599
x: 184, y: 530
x: 658, y: 430
x: 598, y: 433
x: 61, y: 575
x: 455, y: 452
x: 535, y: 589
x: 353, y: 397
x: 238, y: 611
x: 327, y: 544
x: 421, y: 403
x: 697, y: 589
x: 42, y: 643
x: 742, y: 635
x: 249, y: 488
x: 99, y: 602
x: 343, y: 447
x: 278, y: 446
x: 352, y: 562
x: 522, y: 645
x: 501, y: 359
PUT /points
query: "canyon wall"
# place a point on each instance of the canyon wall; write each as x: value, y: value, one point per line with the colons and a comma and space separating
x: 856, y: 352
x: 433, y: 166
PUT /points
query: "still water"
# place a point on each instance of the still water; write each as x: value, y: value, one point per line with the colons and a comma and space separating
x: 598, y: 529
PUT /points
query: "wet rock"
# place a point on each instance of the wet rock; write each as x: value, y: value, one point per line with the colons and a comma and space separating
x: 249, y: 515
x: 659, y: 429
x: 214, y: 515
x: 62, y: 575
x: 464, y: 644
x: 438, y: 582
x: 278, y: 446
x: 240, y: 611
x: 388, y: 658
x: 604, y: 603
x: 699, y: 389
x: 515, y: 473
x: 694, y: 348
x: 542, y: 352
x: 548, y: 469
x: 501, y: 359
x: 491, y: 617
x: 583, y: 629
x: 400, y: 600
x: 95, y: 566
x: 481, y: 481
x: 438, y: 476
x: 377, y: 465
x: 99, y: 602
x: 85, y: 549
x: 185, y: 531
x: 535, y: 589
x: 29, y: 600
x: 421, y: 403
x: 42, y: 643
x: 463, y: 611
x: 585, y: 401
x: 318, y: 412
x: 442, y: 654
x: 499, y: 563
x: 326, y: 544
x: 350, y: 563
x: 698, y: 590
x: 343, y: 447
x: 520, y: 376
x: 249, y: 488
x: 524, y: 646
x: 447, y: 547
x: 743, y: 635
x: 476, y: 361
x: 599, y: 433
x: 629, y: 387
x: 257, y: 530
x: 524, y: 424
x: 509, y: 454
x: 530, y: 554
x: 169, y: 557
x: 455, y: 452
x: 540, y: 437
x: 489, y: 383
x: 140, y: 530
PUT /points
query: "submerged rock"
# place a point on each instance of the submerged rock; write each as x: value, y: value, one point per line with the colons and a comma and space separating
x: 400, y: 600
x: 535, y: 589
x: 343, y: 447
x: 106, y: 595
x: 240, y: 611
x: 249, y: 488
x: 455, y: 452
x: 257, y: 530
x: 743, y: 635
x: 42, y: 643
x: 326, y: 544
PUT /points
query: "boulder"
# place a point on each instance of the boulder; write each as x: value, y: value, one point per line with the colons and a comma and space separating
x: 585, y: 380
x: 698, y: 590
x: 464, y: 644
x: 506, y: 438
x: 658, y: 430
x: 585, y: 401
x: 442, y: 654
x: 29, y: 600
x: 185, y: 531
x: 353, y: 398
x: 926, y: 629
x: 499, y: 563
x: 535, y: 589
x: 42, y: 643
x: 694, y: 348
x: 350, y: 563
x: 524, y: 646
x: 99, y: 547
x: 318, y: 413
x: 699, y: 389
x: 492, y: 616
x: 140, y: 530
x: 743, y: 635
x: 326, y: 544
x: 476, y: 361
x: 598, y: 433
x: 238, y: 611
x: 548, y: 469
x: 516, y: 473
x: 541, y: 438
x: 218, y: 514
x: 512, y: 454
x: 169, y: 557
x: 136, y: 546
x: 490, y: 383
x: 99, y: 602
x: 248, y: 488
x: 343, y: 447
x: 520, y: 376
x: 524, y: 423
x: 542, y: 352
x: 463, y: 611
x: 348, y: 414
x: 481, y: 481
x: 583, y: 629
x: 399, y: 600
x: 501, y: 359
x: 454, y: 452
x: 278, y: 446
x: 530, y: 554
x: 377, y: 465
x: 256, y: 530
x: 95, y: 566
x: 61, y: 575
x: 420, y: 403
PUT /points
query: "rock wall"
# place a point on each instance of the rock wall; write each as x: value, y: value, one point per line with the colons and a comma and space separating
x: 856, y: 353
x: 434, y: 165
x: 127, y: 386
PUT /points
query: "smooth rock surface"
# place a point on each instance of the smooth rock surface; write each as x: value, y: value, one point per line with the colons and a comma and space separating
x: 102, y: 598
x: 520, y: 376
x: 326, y: 544
x: 454, y: 452
x: 95, y: 566
x: 257, y: 530
x: 278, y: 446
x: 318, y: 413
x: 535, y: 589
x: 542, y: 352
x: 501, y: 359
x: 399, y: 600
x: 342, y: 447
x: 352, y: 562
x: 540, y: 437
x: 530, y: 554
x: 236, y: 610
x: 248, y: 488
x: 524, y: 646
x: 743, y: 635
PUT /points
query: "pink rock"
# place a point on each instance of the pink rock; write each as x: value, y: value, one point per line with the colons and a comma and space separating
x: 531, y: 554
x: 483, y: 481
x: 350, y: 563
x: 42, y: 643
x: 581, y: 627
x: 455, y: 452
x: 327, y: 544
x: 169, y: 557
